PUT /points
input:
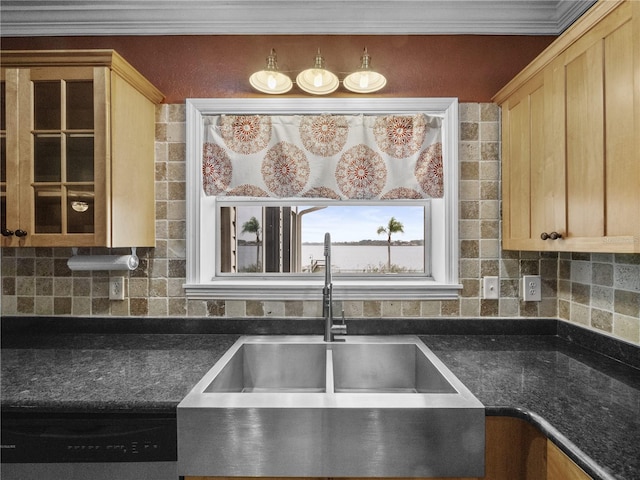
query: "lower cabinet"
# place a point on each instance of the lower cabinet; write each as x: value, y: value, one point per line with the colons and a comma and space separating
x: 515, y: 450
x: 561, y: 467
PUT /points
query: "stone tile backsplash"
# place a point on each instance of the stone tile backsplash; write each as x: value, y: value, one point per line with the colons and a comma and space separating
x: 601, y: 292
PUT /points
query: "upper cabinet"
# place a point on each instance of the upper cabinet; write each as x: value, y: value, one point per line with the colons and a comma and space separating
x: 78, y: 132
x: 571, y: 139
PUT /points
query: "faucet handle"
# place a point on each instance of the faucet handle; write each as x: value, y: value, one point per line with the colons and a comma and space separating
x: 339, y: 329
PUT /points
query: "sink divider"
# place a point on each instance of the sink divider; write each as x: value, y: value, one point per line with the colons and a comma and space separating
x: 329, y: 371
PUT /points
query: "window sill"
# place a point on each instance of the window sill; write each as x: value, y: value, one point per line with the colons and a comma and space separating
x: 392, y: 289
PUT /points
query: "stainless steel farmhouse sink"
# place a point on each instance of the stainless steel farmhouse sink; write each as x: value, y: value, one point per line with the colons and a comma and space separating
x: 299, y: 406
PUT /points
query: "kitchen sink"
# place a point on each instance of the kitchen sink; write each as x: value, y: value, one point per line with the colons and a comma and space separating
x: 385, y: 368
x: 273, y: 367
x: 284, y: 406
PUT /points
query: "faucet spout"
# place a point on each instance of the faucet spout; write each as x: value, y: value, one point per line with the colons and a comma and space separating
x: 327, y: 291
x: 330, y: 329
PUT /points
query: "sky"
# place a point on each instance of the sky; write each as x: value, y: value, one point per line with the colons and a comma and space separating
x: 351, y: 223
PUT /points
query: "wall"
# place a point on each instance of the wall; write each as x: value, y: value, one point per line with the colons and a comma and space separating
x: 37, y: 281
x: 601, y: 292
x: 470, y: 67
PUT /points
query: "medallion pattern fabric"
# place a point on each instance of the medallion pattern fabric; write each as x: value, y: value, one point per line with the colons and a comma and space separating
x: 324, y: 135
x: 216, y: 169
x: 400, y: 136
x: 323, y: 156
x: 285, y: 170
x: 245, y: 133
x: 402, y: 193
x: 361, y: 173
x: 429, y: 171
x: 247, y: 191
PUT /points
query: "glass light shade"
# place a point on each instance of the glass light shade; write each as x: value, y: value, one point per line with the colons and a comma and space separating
x: 270, y: 80
x: 318, y: 80
x: 364, y: 80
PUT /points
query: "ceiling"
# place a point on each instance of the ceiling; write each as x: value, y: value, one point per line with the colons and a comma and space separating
x: 21, y: 18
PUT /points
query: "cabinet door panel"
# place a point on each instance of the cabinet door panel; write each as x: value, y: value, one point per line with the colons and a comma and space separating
x: 622, y: 163
x: 585, y: 144
x: 542, y: 173
x: 533, y: 178
x: 3, y: 157
x: 58, y: 161
x: 518, y: 174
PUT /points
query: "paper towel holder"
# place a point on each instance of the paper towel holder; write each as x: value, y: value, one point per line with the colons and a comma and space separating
x: 103, y: 262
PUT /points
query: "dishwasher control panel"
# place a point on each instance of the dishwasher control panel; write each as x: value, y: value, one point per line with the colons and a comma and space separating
x: 60, y: 438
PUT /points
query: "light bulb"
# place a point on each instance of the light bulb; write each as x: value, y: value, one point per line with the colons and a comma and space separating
x: 271, y: 82
x: 317, y: 79
x: 364, y: 80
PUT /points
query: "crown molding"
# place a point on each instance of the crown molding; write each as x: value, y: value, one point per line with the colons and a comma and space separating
x: 21, y: 18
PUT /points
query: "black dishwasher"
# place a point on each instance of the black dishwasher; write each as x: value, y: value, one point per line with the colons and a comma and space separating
x: 92, y: 446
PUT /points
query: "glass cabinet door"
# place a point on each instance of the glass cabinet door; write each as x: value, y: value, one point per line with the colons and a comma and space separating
x: 63, y: 156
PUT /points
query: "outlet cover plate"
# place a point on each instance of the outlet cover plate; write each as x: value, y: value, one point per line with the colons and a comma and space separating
x: 116, y: 288
x: 490, y: 287
x: 531, y: 288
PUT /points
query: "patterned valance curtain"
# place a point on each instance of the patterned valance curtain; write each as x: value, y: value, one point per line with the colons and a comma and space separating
x: 323, y: 156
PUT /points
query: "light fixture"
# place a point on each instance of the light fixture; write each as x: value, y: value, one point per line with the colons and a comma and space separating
x: 318, y: 80
x: 80, y: 206
x: 270, y: 80
x: 364, y: 80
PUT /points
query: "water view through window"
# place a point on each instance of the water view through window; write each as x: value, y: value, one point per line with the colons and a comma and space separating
x: 371, y: 239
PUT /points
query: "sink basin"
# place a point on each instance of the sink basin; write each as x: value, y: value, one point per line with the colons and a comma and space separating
x: 273, y: 367
x: 288, y: 406
x: 385, y: 368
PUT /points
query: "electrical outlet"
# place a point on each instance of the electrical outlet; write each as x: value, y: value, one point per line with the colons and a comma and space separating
x: 116, y: 288
x: 490, y: 287
x: 531, y: 288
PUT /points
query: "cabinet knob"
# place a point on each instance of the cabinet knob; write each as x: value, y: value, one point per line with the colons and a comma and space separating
x: 550, y: 236
x: 20, y: 233
x: 6, y: 233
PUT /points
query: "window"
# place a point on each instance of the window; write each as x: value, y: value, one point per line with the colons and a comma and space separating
x: 274, y: 237
x: 256, y: 247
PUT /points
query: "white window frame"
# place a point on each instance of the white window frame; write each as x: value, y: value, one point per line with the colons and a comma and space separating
x: 202, y: 281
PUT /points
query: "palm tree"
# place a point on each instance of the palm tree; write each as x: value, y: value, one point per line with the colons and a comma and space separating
x: 253, y: 226
x: 394, y: 226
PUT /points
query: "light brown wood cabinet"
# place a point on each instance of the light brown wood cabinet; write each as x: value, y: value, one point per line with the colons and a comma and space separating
x: 514, y: 450
x: 571, y: 139
x: 561, y: 467
x: 78, y: 133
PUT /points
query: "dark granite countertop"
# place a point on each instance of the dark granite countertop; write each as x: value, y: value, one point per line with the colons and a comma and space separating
x: 585, y: 402
x: 93, y: 372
